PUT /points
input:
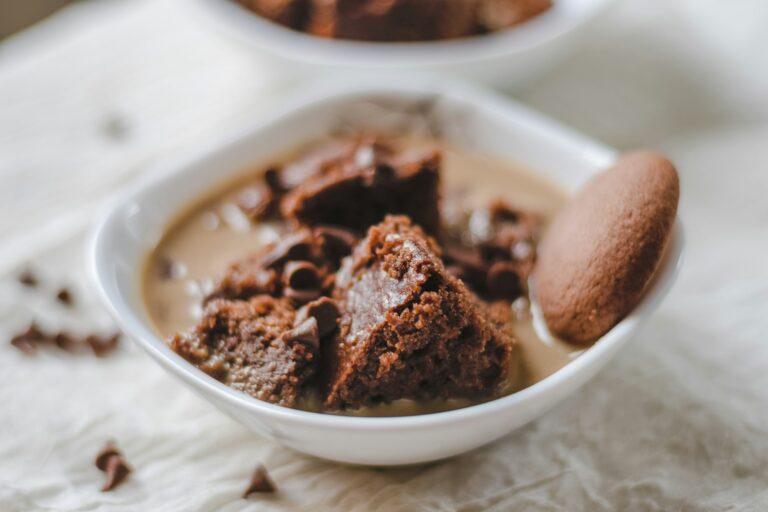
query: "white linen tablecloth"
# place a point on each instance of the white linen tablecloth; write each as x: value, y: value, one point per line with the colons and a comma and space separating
x: 93, y: 97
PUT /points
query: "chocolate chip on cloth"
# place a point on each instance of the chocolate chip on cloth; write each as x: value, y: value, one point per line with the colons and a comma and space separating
x: 64, y: 296
x: 254, y: 347
x: 111, y: 461
x: 28, y: 340
x: 27, y: 278
x: 602, y: 250
x: 260, y: 483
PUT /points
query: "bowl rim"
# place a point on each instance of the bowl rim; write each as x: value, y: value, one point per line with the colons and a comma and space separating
x: 562, y: 18
x: 131, y: 321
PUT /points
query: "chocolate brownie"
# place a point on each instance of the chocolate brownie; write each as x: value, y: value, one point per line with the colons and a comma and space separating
x: 392, y: 20
x: 603, y: 248
x: 408, y: 329
x: 254, y: 347
x: 291, y: 13
x: 397, y: 20
x: 358, y: 185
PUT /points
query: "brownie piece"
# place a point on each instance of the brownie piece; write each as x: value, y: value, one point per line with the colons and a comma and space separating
x: 254, y: 347
x: 357, y: 185
x: 392, y: 20
x: 408, y: 329
x: 291, y: 13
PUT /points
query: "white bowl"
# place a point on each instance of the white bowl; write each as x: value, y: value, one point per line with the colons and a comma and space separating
x: 468, y: 117
x: 507, y: 57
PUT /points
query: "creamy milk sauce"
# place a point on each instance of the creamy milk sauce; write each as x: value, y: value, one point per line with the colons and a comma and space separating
x: 205, y: 239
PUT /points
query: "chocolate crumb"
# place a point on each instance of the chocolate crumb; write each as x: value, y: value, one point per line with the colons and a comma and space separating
x: 27, y: 278
x: 103, y: 345
x: 27, y: 341
x: 110, y: 460
x: 65, y: 297
x: 260, y: 482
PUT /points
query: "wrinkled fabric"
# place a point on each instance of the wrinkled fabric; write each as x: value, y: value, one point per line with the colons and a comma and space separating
x: 677, y: 421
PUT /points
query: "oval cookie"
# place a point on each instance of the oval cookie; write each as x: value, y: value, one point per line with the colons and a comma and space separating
x: 603, y: 248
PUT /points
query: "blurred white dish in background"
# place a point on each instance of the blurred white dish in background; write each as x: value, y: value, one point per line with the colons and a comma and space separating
x: 465, y: 117
x: 507, y: 57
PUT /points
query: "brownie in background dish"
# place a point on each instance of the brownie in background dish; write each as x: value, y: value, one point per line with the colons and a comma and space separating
x: 397, y: 20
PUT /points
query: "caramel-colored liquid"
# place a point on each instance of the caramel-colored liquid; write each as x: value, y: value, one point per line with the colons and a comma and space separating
x: 203, y: 241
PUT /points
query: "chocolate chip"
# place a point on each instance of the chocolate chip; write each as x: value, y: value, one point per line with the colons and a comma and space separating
x: 27, y: 341
x: 257, y: 202
x: 504, y: 281
x: 339, y: 241
x: 102, y: 345
x: 110, y: 461
x: 65, y: 342
x: 467, y: 265
x: 273, y: 180
x: 324, y: 310
x: 260, y: 483
x: 27, y: 278
x: 108, y: 451
x: 301, y: 275
x: 306, y: 332
x: 293, y: 247
x: 65, y: 297
x: 302, y: 296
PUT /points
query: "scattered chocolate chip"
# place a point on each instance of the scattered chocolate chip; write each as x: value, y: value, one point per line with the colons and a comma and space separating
x: 102, y: 345
x: 306, y: 332
x: 65, y: 342
x: 110, y: 460
x: 27, y: 278
x: 301, y: 275
x: 293, y: 247
x: 65, y: 297
x: 339, y: 241
x: 302, y: 296
x: 260, y: 483
x: 504, y: 281
x: 324, y: 310
x: 27, y: 341
x: 108, y: 451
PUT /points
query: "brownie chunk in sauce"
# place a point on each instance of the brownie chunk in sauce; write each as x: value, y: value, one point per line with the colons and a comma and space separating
x: 408, y: 329
x: 254, y: 346
x: 356, y: 184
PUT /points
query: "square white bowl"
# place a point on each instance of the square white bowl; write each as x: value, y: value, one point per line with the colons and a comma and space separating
x: 464, y: 116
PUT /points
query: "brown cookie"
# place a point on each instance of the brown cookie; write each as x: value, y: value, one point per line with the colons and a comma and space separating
x: 602, y: 249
